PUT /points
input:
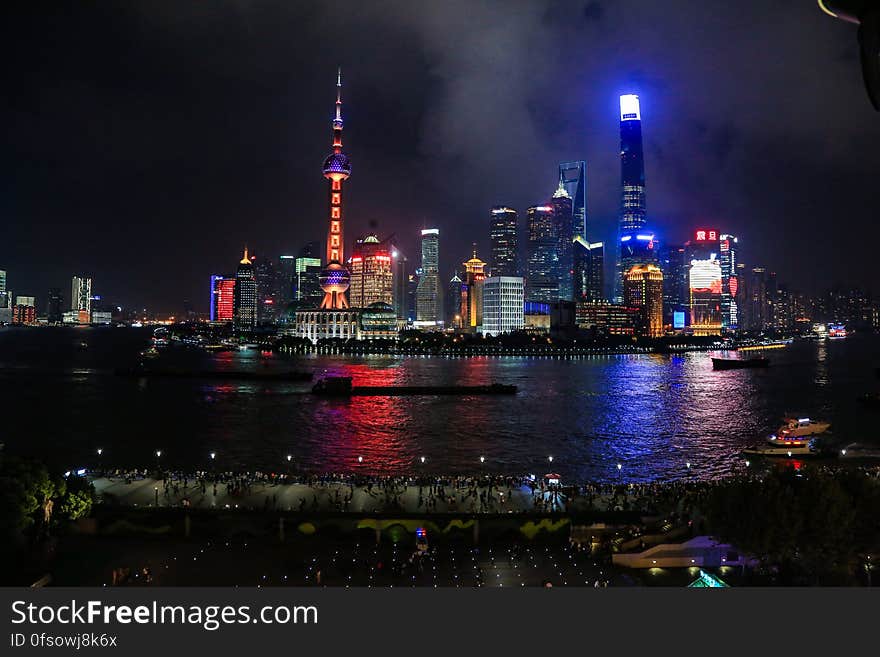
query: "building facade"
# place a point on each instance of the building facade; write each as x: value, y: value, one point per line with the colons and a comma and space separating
x: 502, y: 305
x: 588, y: 278
x: 81, y: 298
x: 573, y: 176
x: 371, y: 273
x: 429, y: 303
x: 562, y: 216
x: 633, y: 212
x: 542, y: 280
x: 503, y: 250
x: 643, y: 289
x: 245, y: 296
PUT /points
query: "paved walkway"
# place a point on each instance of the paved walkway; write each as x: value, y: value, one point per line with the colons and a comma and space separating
x: 340, y: 496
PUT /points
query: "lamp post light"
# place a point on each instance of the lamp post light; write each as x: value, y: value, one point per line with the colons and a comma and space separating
x: 158, y: 456
x: 156, y: 491
x: 100, y: 451
x: 619, y: 472
x: 748, y: 463
x: 360, y: 459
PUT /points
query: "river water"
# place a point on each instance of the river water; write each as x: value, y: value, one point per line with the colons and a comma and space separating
x: 651, y: 414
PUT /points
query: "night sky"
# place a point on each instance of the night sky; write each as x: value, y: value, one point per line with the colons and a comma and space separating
x: 144, y: 143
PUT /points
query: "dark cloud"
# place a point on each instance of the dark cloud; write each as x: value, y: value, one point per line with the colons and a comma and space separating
x: 146, y: 142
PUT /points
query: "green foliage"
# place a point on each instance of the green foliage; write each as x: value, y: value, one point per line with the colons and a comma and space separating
x: 811, y: 525
x: 32, y: 498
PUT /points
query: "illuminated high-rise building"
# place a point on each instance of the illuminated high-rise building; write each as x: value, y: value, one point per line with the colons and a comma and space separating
x: 589, y: 270
x: 704, y: 276
x: 643, y: 289
x: 268, y: 297
x: 307, y: 290
x: 245, y: 307
x: 371, y: 274
x: 472, y: 293
x: 222, y: 298
x: 4, y: 301
x: 455, y: 299
x: 81, y: 298
x: 573, y: 176
x: 676, y: 285
x: 429, y: 304
x: 502, y: 305
x: 542, y: 267
x: 562, y: 217
x: 632, y: 166
x: 335, y: 278
x: 632, y: 184
x: 503, y: 251
x: 729, y: 251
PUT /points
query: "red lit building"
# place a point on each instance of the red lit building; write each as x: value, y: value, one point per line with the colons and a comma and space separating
x: 222, y: 299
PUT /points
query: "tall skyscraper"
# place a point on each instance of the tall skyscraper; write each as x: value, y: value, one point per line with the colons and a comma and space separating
x: 245, y: 313
x: 399, y: 280
x: 729, y: 250
x: 455, y: 300
x: 643, y: 289
x: 335, y: 278
x: 632, y: 166
x: 502, y: 305
x: 574, y: 178
x: 503, y: 253
x: 286, y: 279
x: 632, y: 184
x: 54, y: 306
x: 371, y: 274
x: 429, y: 305
x: 564, y: 264
x: 268, y: 300
x: 589, y: 270
x: 4, y: 301
x: 675, y: 264
x: 542, y: 267
x: 222, y: 298
x: 81, y: 298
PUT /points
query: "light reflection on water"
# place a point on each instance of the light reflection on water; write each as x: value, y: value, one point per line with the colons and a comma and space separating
x: 652, y: 414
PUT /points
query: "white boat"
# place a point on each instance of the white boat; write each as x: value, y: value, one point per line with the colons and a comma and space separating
x: 802, y: 426
x: 784, y: 448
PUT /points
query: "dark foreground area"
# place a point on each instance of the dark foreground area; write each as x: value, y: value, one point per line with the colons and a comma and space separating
x: 805, y: 525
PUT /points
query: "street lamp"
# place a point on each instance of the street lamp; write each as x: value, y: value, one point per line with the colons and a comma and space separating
x: 360, y: 459
x: 213, y: 455
x: 550, y: 458
x: 158, y: 456
x: 688, y: 464
x: 156, y: 490
x: 748, y: 463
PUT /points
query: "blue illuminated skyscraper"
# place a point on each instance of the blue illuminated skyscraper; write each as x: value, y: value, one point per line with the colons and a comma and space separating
x: 632, y: 166
x: 632, y: 184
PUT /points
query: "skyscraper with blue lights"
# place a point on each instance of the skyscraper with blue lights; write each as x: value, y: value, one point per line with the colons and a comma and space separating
x: 636, y: 244
x: 573, y: 176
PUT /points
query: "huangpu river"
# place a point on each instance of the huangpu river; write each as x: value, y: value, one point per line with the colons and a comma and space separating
x: 652, y: 414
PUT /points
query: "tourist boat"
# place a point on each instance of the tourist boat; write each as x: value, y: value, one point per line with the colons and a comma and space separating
x: 802, y: 426
x: 739, y: 363
x: 152, y: 352
x: 785, y: 448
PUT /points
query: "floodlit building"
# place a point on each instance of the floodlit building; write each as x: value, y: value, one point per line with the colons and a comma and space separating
x: 503, y: 298
x: 643, y: 289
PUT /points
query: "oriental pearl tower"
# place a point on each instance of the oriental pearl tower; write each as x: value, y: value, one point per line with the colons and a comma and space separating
x: 335, y: 277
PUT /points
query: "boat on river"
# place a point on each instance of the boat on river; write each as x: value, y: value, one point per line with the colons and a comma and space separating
x: 341, y: 386
x: 739, y: 363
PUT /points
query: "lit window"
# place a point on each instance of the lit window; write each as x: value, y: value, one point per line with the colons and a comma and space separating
x: 334, y: 212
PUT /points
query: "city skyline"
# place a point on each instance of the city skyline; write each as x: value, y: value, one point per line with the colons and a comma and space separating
x: 709, y: 154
